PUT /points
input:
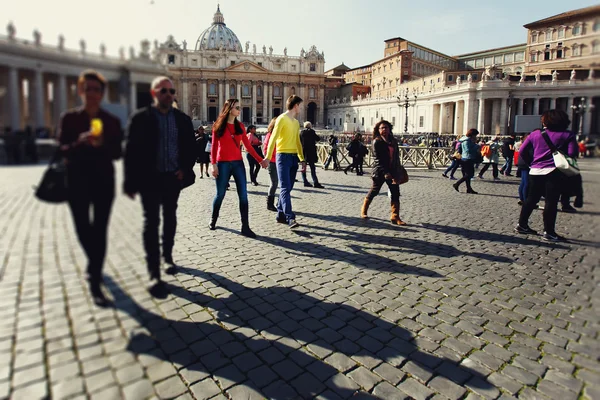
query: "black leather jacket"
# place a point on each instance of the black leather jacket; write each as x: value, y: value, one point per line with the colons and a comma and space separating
x: 383, y: 164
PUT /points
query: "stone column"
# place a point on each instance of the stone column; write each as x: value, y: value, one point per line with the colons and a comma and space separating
x: 265, y: 117
x: 61, y: 94
x: 238, y: 92
x: 185, y: 101
x: 553, y: 103
x: 285, y: 94
x: 495, y: 123
x: 203, y: 102
x: 222, y: 98
x: 227, y: 86
x: 442, y: 116
x: 536, y: 106
x: 587, y: 118
x: 269, y: 101
x: 481, y: 117
x: 459, y: 107
x: 14, y: 104
x: 132, y: 96
x: 254, y: 110
x: 503, y: 116
x: 320, y: 111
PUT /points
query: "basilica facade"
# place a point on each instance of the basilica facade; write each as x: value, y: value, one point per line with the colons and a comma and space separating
x: 219, y: 68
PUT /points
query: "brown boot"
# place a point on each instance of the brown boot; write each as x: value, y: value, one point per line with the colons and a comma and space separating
x: 395, y: 217
x: 365, y: 208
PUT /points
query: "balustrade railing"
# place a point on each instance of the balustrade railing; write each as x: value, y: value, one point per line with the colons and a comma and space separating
x: 410, y: 156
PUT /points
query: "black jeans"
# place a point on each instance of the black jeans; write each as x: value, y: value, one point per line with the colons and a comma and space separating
x: 83, y: 194
x: 551, y: 187
x: 468, y: 171
x: 357, y: 162
x: 332, y: 157
x: 485, y: 168
x: 376, y: 187
x: 313, y: 173
x: 165, y: 192
x: 253, y: 164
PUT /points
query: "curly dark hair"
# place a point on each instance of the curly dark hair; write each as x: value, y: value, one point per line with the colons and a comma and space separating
x: 376, y: 128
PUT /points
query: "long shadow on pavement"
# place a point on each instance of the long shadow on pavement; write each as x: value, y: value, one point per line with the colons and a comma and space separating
x: 278, y: 366
x: 489, y: 236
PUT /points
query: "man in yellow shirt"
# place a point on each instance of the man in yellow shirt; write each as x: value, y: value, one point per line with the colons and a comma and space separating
x: 286, y: 137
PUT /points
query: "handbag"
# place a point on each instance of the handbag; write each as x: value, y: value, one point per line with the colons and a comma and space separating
x: 53, y: 187
x: 563, y: 162
x: 208, y: 147
x: 403, y: 175
x: 457, y: 155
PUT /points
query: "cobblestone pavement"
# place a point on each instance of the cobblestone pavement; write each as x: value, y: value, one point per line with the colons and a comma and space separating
x: 452, y: 306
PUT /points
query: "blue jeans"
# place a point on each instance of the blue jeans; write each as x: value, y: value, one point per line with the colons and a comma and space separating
x: 453, y: 167
x: 287, y: 166
x: 226, y: 170
x: 507, y: 167
x: 524, y: 185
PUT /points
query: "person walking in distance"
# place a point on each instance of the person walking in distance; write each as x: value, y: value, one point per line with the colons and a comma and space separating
x: 490, y: 152
x: 386, y: 169
x: 286, y: 137
x: 309, y: 139
x: 272, y: 168
x: 202, y: 156
x: 333, y: 143
x: 469, y: 155
x: 508, y: 151
x: 455, y: 161
x: 227, y: 137
x: 357, y: 151
x: 159, y: 162
x: 256, y: 144
x: 90, y: 139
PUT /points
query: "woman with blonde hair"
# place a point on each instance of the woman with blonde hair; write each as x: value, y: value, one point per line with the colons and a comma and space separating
x: 227, y: 136
x: 272, y: 168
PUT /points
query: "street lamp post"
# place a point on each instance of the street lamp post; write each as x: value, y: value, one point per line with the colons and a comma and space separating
x: 580, y: 109
x: 406, y: 101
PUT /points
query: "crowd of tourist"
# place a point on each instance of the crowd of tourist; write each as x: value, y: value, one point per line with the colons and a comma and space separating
x: 162, y: 148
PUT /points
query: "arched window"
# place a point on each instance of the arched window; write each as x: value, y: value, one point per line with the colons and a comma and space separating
x: 232, y: 90
x: 212, y: 88
x: 311, y: 93
x: 276, y: 91
x: 292, y: 90
x: 259, y: 91
x: 194, y: 89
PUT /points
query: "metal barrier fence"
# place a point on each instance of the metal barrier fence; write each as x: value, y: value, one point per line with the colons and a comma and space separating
x: 410, y: 156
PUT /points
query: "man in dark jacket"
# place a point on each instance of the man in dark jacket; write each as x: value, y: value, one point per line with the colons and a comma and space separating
x: 309, y: 139
x: 159, y: 161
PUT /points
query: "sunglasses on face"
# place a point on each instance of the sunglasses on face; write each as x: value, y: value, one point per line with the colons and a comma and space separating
x: 93, y: 89
x: 165, y: 90
x: 237, y: 108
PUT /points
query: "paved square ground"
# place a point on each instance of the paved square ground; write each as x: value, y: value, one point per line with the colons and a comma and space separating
x: 452, y: 306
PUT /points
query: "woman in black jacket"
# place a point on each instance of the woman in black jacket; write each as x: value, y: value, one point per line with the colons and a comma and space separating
x: 357, y: 151
x: 386, y: 169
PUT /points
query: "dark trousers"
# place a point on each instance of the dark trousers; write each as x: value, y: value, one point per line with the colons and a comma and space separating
x: 313, y: 173
x: 551, y: 187
x: 453, y: 167
x: 165, y: 193
x: 468, y: 172
x: 332, y: 157
x: 357, y: 162
x: 507, y: 167
x: 485, y: 168
x: 376, y: 187
x: 83, y: 194
x: 524, y: 185
x: 254, y: 165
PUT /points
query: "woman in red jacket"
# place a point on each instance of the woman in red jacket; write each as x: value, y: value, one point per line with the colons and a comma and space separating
x: 227, y: 136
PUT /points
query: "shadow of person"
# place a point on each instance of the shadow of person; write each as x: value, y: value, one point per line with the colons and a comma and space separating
x: 300, y: 338
x: 472, y: 234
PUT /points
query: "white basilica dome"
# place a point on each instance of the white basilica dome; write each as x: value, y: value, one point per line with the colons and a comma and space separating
x: 218, y: 36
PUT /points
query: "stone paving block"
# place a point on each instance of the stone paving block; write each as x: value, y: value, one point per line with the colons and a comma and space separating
x: 32, y: 390
x: 555, y: 391
x: 365, y: 378
x: 340, y: 361
x: 386, y: 391
x: 287, y: 369
x: 160, y: 371
x: 280, y: 390
x: 389, y: 373
x: 307, y: 385
x: 67, y: 388
x: 446, y: 387
x: 505, y: 383
x: 520, y: 375
x: 482, y: 388
x: 205, y: 389
x: 415, y: 390
x: 262, y: 376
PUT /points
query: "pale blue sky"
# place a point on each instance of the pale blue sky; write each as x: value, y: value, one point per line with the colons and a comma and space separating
x: 348, y: 31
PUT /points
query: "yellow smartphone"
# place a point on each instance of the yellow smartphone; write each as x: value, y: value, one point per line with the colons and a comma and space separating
x: 96, y: 127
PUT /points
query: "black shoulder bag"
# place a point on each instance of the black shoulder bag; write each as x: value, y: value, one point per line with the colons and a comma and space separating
x: 53, y: 187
